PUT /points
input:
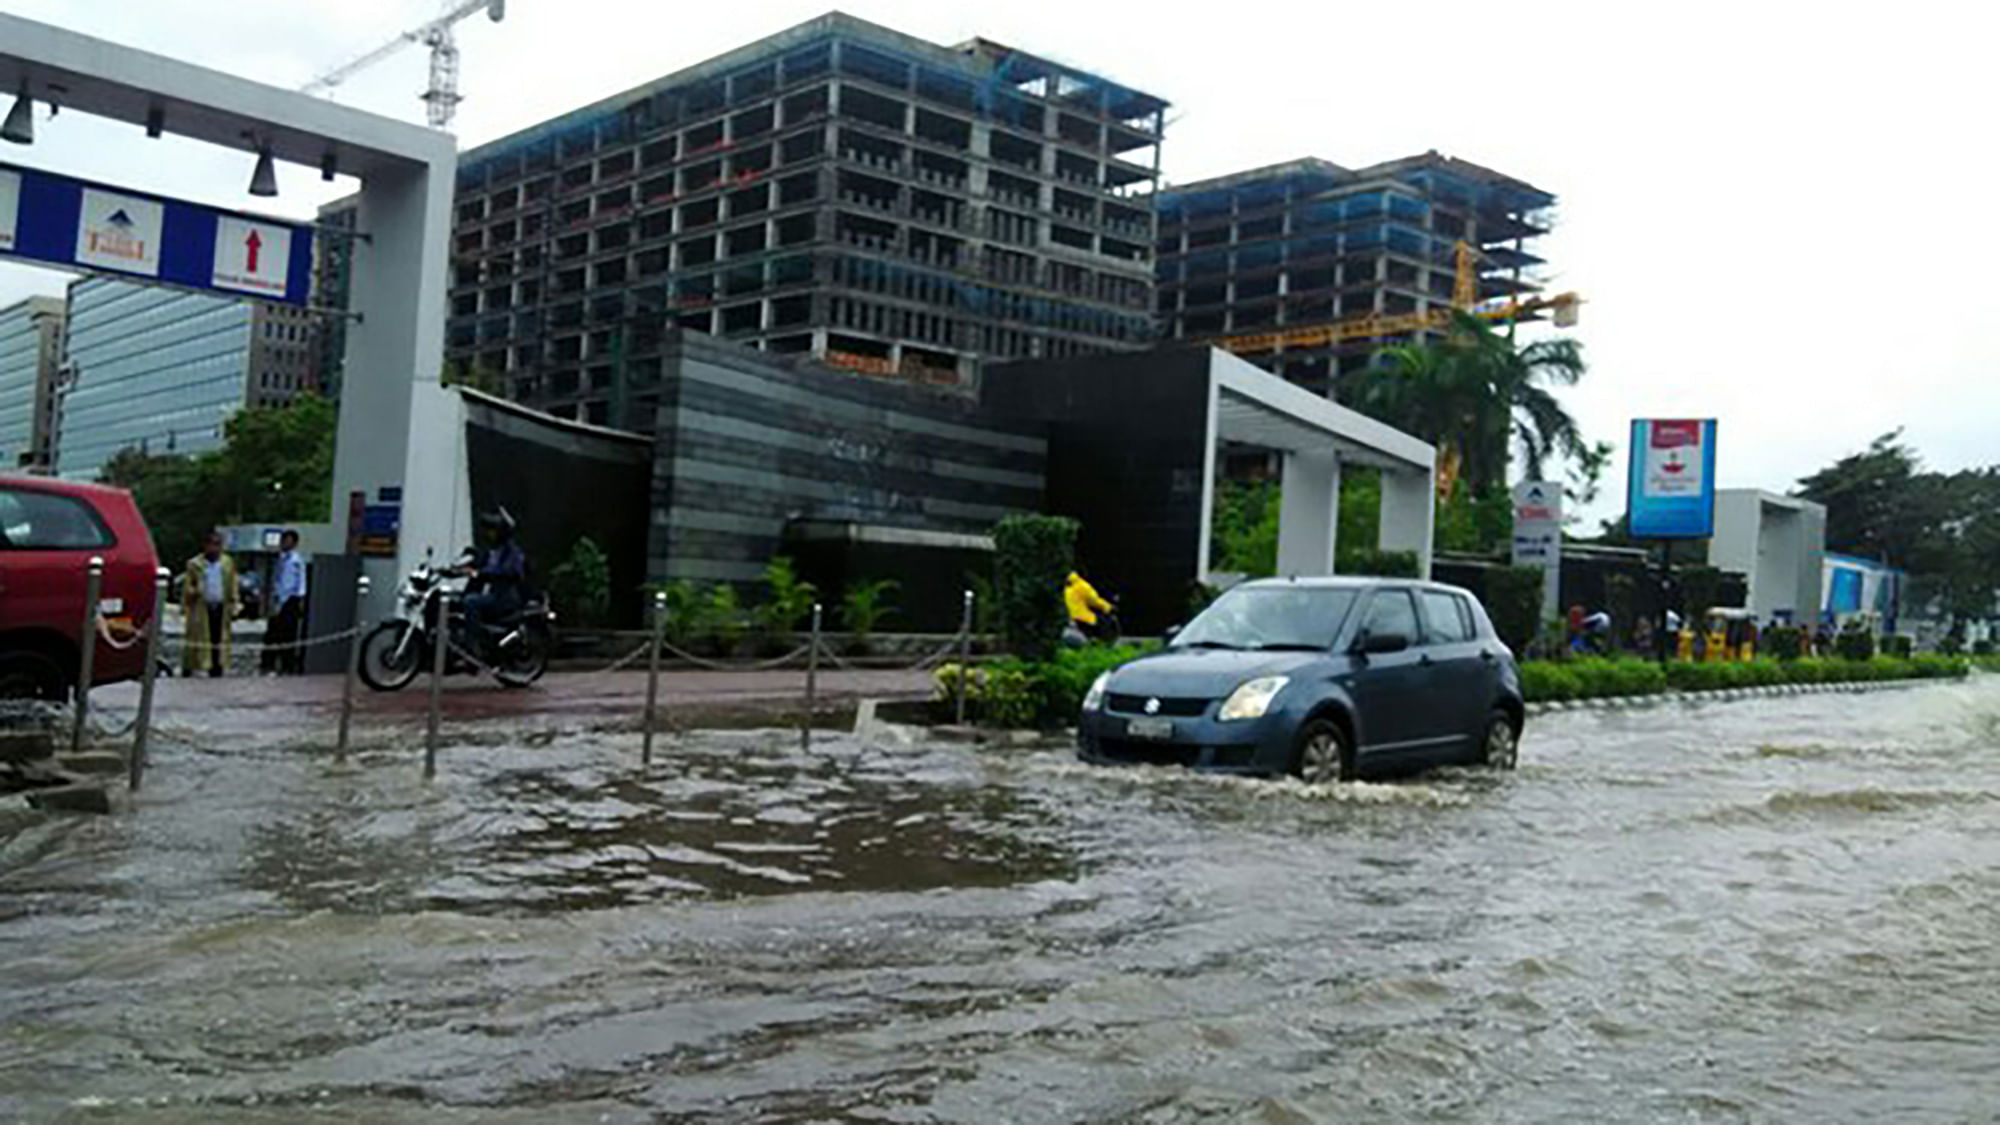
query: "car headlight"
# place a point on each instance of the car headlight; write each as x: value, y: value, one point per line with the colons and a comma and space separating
x: 1251, y: 699
x: 1093, y: 700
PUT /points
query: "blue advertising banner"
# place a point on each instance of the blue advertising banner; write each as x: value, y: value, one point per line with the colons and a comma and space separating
x: 82, y: 225
x: 1670, y: 488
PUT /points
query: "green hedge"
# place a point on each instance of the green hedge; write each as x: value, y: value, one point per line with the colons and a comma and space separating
x: 1544, y: 682
x: 1040, y: 693
x: 1032, y: 559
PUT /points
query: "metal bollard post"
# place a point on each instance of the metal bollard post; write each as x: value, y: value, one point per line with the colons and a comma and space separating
x: 353, y: 670
x: 142, y: 728
x: 441, y: 638
x: 964, y: 655
x: 93, y: 585
x: 812, y: 683
x: 653, y: 676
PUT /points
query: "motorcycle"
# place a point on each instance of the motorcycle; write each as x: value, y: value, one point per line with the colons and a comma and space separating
x: 515, y: 651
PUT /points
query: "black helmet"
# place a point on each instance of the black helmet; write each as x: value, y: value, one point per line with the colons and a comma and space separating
x: 500, y: 520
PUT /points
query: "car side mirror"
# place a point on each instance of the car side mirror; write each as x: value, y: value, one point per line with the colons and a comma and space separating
x: 1380, y: 643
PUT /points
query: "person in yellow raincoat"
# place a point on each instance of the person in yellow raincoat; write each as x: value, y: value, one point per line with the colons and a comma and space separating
x: 209, y: 596
x: 1084, y: 603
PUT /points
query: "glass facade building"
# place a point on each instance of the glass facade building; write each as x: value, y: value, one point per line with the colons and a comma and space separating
x: 30, y: 346
x: 155, y: 369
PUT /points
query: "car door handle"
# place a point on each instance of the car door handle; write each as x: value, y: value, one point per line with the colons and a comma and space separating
x: 1424, y: 661
x: 1486, y: 654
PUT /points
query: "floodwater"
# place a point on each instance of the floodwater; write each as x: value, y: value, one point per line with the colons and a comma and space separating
x: 1776, y: 910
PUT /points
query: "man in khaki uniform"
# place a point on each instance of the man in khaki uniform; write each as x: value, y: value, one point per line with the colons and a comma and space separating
x: 208, y: 595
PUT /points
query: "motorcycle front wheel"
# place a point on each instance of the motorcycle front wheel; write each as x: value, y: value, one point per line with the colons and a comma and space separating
x: 391, y: 657
x: 525, y: 656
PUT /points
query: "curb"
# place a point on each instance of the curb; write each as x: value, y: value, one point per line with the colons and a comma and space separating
x: 1720, y: 695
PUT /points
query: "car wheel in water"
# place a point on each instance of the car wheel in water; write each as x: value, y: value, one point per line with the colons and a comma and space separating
x: 1501, y: 748
x: 1323, y: 754
x: 31, y: 675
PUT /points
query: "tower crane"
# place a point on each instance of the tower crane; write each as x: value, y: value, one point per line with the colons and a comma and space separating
x: 1464, y: 298
x: 442, y: 98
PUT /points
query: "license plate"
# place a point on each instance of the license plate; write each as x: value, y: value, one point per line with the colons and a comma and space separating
x: 1155, y: 729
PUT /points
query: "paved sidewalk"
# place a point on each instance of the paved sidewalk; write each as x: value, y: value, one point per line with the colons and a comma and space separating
x: 562, y: 700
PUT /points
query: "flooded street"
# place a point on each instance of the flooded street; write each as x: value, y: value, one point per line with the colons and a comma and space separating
x: 1786, y: 909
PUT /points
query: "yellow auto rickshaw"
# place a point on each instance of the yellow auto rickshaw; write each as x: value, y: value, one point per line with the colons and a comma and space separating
x: 1732, y: 636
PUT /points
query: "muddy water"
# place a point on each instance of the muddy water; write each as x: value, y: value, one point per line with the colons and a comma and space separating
x: 1783, y: 910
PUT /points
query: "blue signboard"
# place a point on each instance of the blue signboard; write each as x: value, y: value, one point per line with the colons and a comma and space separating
x: 1670, y: 487
x: 82, y: 225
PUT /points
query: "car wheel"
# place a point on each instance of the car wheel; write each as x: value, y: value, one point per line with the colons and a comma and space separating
x: 31, y: 675
x: 1323, y: 754
x: 1501, y: 748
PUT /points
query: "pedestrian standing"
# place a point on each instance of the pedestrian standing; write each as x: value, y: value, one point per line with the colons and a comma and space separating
x: 209, y: 598
x: 282, y: 654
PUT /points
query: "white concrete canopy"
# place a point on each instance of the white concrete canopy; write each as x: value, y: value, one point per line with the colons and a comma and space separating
x: 1250, y: 406
x: 1778, y: 543
x: 400, y: 271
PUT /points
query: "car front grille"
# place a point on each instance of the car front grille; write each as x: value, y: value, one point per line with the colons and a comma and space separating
x: 1170, y: 707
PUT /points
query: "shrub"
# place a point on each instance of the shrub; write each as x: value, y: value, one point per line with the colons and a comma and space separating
x: 1785, y: 642
x: 1019, y: 693
x: 1542, y: 682
x: 1982, y: 648
x: 1899, y: 645
x: 1033, y: 557
x: 1000, y: 694
x: 864, y: 605
x: 688, y: 612
x: 789, y: 599
x: 1854, y: 644
x: 722, y: 618
x: 581, y: 584
x: 1380, y: 564
x: 1514, y: 602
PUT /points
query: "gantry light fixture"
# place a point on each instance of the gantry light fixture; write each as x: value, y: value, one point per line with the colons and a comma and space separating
x: 264, y: 180
x: 20, y: 126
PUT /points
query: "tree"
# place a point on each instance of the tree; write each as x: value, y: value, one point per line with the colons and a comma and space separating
x: 1477, y: 395
x: 275, y: 466
x: 1943, y: 529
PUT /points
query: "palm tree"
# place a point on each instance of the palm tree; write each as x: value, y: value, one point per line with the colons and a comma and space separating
x: 1477, y: 395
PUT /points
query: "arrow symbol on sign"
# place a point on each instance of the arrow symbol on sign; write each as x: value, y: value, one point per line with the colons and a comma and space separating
x: 253, y: 244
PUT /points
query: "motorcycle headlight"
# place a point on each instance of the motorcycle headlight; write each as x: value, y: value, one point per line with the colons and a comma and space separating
x: 1093, y: 700
x: 1251, y: 699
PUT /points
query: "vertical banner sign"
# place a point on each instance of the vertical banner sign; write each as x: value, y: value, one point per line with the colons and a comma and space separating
x: 1670, y: 486
x: 1538, y: 519
x: 10, y: 208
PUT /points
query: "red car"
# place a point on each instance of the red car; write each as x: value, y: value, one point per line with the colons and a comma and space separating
x: 49, y: 532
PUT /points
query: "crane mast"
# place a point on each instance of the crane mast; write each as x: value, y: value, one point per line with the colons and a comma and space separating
x: 442, y: 97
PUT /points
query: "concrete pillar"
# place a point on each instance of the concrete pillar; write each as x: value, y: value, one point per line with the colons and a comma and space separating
x: 1309, y: 514
x: 397, y: 339
x: 1408, y: 511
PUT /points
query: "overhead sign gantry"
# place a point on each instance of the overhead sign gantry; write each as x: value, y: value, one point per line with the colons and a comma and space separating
x: 82, y: 225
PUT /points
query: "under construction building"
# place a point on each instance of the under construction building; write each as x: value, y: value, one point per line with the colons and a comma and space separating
x: 839, y: 189
x: 1263, y: 261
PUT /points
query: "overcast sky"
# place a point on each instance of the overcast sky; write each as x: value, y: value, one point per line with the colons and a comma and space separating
x: 1778, y: 212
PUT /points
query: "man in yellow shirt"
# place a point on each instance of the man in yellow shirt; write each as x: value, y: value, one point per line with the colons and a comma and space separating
x: 1084, y: 603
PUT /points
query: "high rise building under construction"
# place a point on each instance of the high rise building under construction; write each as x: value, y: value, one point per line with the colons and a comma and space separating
x: 1309, y: 269
x: 839, y: 189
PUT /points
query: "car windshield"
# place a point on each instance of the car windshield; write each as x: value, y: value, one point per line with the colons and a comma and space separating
x: 1270, y: 617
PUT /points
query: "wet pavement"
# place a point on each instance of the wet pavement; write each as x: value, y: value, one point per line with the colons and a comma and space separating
x: 1775, y: 910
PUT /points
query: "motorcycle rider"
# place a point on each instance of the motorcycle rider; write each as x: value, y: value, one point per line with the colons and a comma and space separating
x: 499, y: 575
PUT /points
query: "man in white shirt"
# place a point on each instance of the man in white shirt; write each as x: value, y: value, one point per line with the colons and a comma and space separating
x: 288, y: 609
